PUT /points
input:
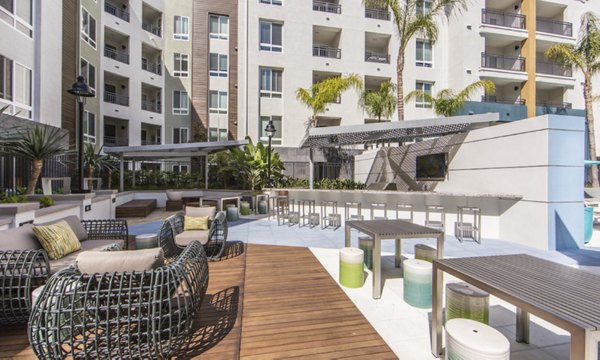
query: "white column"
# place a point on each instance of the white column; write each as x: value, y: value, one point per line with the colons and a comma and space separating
x: 311, y: 169
x: 206, y: 172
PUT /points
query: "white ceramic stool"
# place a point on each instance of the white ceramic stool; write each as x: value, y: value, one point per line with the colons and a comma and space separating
x: 351, y: 267
x: 417, y: 282
x: 471, y: 340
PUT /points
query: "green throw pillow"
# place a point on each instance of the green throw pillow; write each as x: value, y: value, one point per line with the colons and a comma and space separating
x: 57, y: 239
x: 195, y: 223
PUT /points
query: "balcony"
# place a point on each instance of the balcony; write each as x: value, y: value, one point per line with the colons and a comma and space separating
x: 553, y: 104
x: 114, y: 98
x: 153, y: 68
x: 501, y: 18
x: 377, y: 58
x: 554, y: 27
x: 502, y: 62
x: 548, y: 68
x: 151, y: 106
x: 116, y: 55
x: 327, y: 7
x: 154, y: 29
x: 327, y: 52
x: 378, y: 14
x: 117, y: 11
x: 114, y: 141
x: 496, y: 100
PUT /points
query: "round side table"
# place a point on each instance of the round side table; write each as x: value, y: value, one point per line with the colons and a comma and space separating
x: 146, y: 241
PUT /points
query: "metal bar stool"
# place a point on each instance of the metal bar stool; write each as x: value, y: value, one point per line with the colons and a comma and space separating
x: 404, y: 212
x: 435, y: 217
x: 332, y: 219
x: 283, y: 210
x: 305, y: 209
x: 378, y: 206
x: 468, y: 230
x: 358, y: 215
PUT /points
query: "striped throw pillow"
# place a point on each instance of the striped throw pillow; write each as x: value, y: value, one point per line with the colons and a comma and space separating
x: 195, y: 223
x: 57, y: 239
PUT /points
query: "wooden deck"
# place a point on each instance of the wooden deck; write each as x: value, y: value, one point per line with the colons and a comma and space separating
x: 265, y: 302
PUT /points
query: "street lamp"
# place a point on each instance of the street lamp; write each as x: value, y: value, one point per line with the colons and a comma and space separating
x: 81, y: 90
x: 270, y: 130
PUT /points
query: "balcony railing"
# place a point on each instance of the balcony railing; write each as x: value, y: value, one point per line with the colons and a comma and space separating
x: 116, y: 11
x: 327, y: 7
x: 502, y: 62
x: 549, y: 68
x: 379, y: 14
x: 113, y: 98
x: 378, y: 58
x: 494, y: 99
x: 554, y: 27
x: 151, y: 106
x: 550, y: 104
x: 116, y: 55
x: 151, y: 28
x: 501, y: 18
x: 328, y: 52
x: 150, y: 142
x: 153, y: 68
x: 114, y: 141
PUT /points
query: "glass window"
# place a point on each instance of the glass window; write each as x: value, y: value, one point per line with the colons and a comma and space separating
x: 22, y: 85
x: 271, y: 83
x: 88, y: 71
x: 88, y: 28
x: 24, y: 10
x: 271, y: 36
x: 423, y: 7
x: 181, y: 66
x: 18, y: 14
x: 180, y: 102
x: 89, y: 124
x: 424, y: 56
x: 219, y: 27
x: 218, y: 65
x: 217, y: 102
x: 6, y: 78
x: 427, y: 88
x: 180, y: 135
x: 272, y: 2
x: 181, y: 30
x: 276, y: 139
x: 180, y: 168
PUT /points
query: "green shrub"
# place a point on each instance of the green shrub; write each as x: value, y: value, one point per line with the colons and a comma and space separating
x: 46, y: 201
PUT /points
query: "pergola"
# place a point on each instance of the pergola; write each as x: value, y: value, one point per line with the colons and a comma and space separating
x: 169, y: 151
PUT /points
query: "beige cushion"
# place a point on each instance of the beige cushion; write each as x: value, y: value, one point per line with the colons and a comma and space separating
x: 195, y: 223
x: 21, y: 238
x: 186, y: 237
x: 91, y: 262
x: 75, y: 225
x: 57, y: 239
x: 209, y: 211
x: 98, y: 245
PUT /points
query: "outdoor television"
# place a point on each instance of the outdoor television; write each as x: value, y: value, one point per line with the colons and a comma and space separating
x: 432, y: 167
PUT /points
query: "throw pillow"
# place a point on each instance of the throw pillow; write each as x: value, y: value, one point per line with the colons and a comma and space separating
x: 57, y: 239
x: 195, y: 223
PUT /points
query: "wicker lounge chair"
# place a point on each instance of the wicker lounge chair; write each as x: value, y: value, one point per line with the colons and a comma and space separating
x: 140, y: 315
x: 214, y: 244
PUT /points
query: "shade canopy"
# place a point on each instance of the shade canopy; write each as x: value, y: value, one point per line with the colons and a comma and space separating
x: 395, y: 131
x: 170, y: 151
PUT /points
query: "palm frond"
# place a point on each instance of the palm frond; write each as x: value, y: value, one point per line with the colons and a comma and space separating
x: 419, y: 94
x: 565, y: 55
x: 486, y: 85
x: 38, y: 143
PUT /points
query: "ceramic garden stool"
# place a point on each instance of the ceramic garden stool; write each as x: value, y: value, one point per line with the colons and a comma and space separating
x: 351, y: 267
x: 232, y: 213
x: 146, y: 241
x: 467, y: 302
x: 244, y: 208
x: 471, y: 340
x: 417, y: 282
x: 263, y: 207
x: 365, y: 243
x: 425, y: 252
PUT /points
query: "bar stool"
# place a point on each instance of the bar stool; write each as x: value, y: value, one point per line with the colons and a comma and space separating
x: 332, y: 219
x: 404, y: 212
x: 378, y: 206
x: 305, y: 208
x: 283, y: 210
x: 358, y: 215
x: 468, y: 230
x: 435, y: 217
x: 293, y: 214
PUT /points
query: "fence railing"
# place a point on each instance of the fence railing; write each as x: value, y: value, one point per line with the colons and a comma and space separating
x: 153, y: 68
x: 116, y: 55
x: 113, y: 98
x: 116, y: 11
x: 327, y: 7
x: 494, y: 99
x: 151, y: 106
x: 501, y: 18
x: 502, y: 62
x: 114, y: 141
x: 328, y: 52
x: 378, y: 58
x: 379, y: 14
x: 548, y: 68
x: 554, y: 27
x: 151, y: 28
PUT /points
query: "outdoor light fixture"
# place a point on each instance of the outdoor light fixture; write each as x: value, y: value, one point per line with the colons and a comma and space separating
x: 81, y: 90
x: 270, y: 130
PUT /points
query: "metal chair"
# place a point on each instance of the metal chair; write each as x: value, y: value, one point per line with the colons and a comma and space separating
x: 358, y: 215
x: 468, y: 230
x: 378, y: 206
x: 306, y: 208
x: 404, y: 212
x: 330, y: 219
x: 435, y: 217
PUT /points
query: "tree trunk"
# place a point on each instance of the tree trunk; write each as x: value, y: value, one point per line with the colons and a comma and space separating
x: 587, y: 94
x: 109, y: 180
x: 90, y: 171
x: 400, y: 73
x: 36, y: 170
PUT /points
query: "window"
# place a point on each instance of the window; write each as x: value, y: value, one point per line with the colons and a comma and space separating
x: 89, y: 127
x: 6, y: 78
x: 217, y: 134
x: 271, y: 83
x: 18, y: 14
x: 180, y: 68
x: 88, y: 28
x: 270, y: 36
x: 88, y: 71
x: 420, y: 101
x: 181, y: 28
x: 423, y: 7
x: 180, y: 168
x: 218, y: 65
x: 272, y: 2
x: 424, y: 57
x: 180, y: 135
x: 180, y: 103
x: 264, y: 120
x: 219, y: 27
x: 217, y: 102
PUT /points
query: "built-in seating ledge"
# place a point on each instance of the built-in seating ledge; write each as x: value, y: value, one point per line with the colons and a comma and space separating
x: 55, y: 208
x: 11, y: 209
x: 5, y: 221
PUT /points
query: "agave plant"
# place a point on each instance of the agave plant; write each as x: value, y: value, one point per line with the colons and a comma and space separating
x: 94, y: 160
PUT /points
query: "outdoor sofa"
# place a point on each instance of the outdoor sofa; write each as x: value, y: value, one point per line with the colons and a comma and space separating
x: 24, y: 264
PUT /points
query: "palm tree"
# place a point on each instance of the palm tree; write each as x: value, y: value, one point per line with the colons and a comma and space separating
x: 411, y: 18
x: 93, y: 160
x: 37, y: 144
x: 584, y: 55
x: 447, y: 102
x: 319, y: 95
x: 380, y: 103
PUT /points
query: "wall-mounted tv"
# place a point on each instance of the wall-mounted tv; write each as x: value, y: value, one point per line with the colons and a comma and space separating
x: 432, y: 167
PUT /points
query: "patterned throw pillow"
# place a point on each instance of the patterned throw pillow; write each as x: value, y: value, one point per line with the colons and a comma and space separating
x: 195, y: 223
x: 57, y: 239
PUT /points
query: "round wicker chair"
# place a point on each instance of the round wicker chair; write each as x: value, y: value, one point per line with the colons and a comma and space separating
x: 145, y: 315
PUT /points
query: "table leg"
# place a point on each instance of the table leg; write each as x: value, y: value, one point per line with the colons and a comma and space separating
x: 376, y: 267
x: 398, y: 258
x: 522, y: 326
x: 348, y: 239
x: 436, y: 312
x: 440, y: 246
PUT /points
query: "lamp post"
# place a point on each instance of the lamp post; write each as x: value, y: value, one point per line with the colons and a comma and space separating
x: 270, y: 130
x: 81, y: 90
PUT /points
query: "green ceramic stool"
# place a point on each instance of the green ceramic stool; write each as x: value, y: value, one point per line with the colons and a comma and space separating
x: 262, y: 207
x: 467, y: 302
x: 232, y: 213
x: 425, y: 252
x: 417, y: 282
x: 351, y: 267
x: 366, y: 244
x: 244, y: 208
